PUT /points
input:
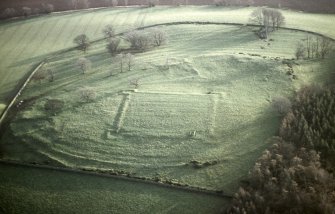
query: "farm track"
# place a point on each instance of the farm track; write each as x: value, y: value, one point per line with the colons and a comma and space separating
x: 196, y: 190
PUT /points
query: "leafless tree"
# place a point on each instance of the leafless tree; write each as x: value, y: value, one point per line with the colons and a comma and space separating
x: 8, y: 13
x: 84, y: 64
x: 315, y: 51
x: 120, y: 59
x: 308, y: 46
x: 87, y: 94
x: 114, y: 3
x: 86, y: 4
x: 39, y: 76
x: 152, y: 3
x: 325, y: 47
x: 282, y: 105
x: 26, y: 11
x: 36, y: 11
x: 219, y: 3
x: 135, y: 82
x: 54, y: 105
x: 139, y: 40
x: 300, y: 51
x: 48, y: 8
x: 82, y: 41
x: 75, y: 4
x: 129, y: 59
x: 125, y: 2
x: 268, y: 19
x: 113, y: 45
x: 51, y: 74
x: 159, y: 36
x: 108, y: 31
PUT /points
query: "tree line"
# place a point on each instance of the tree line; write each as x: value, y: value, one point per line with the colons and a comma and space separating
x: 296, y: 174
x: 314, y: 47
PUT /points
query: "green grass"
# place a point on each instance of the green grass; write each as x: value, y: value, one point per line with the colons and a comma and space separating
x: 213, y: 84
x: 2, y: 107
x: 29, y: 190
x: 26, y: 42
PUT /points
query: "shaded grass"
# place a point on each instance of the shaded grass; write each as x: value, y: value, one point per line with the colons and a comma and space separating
x: 30, y: 190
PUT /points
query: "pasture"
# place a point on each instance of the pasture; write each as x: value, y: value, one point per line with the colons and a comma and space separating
x: 27, y: 42
x: 30, y: 190
x: 204, y: 97
x: 200, y: 114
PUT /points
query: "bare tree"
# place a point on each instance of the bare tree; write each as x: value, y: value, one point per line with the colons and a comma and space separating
x: 8, y: 13
x: 113, y: 45
x: 26, y: 11
x: 54, y: 105
x: 135, y: 82
x: 87, y: 94
x: 84, y: 64
x: 39, y: 76
x: 129, y: 58
x: 82, y: 41
x: 308, y: 46
x: 36, y: 11
x: 125, y: 2
x: 75, y: 4
x: 86, y: 4
x: 114, y: 3
x: 48, y: 8
x: 282, y: 105
x: 120, y: 59
x: 51, y: 74
x: 152, y: 3
x: 139, y: 40
x: 108, y: 31
x: 300, y: 51
x: 325, y: 47
x: 159, y: 36
x: 268, y: 19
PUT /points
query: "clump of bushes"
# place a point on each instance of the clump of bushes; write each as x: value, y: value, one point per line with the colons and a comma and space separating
x: 87, y: 94
x: 197, y: 164
x: 281, y: 104
x: 54, y: 105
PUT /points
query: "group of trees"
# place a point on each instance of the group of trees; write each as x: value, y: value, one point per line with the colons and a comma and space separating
x: 296, y: 174
x: 269, y: 20
x: 139, y: 40
x: 314, y: 47
x: 27, y: 11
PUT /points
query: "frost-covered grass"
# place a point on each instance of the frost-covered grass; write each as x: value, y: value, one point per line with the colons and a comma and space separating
x: 215, y: 80
x: 26, y: 42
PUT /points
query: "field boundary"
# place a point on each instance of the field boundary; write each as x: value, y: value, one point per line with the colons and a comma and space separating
x: 10, y: 105
x: 197, y: 190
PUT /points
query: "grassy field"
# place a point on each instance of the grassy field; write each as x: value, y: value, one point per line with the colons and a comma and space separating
x: 217, y: 83
x: 26, y: 42
x: 29, y: 190
x: 204, y: 97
